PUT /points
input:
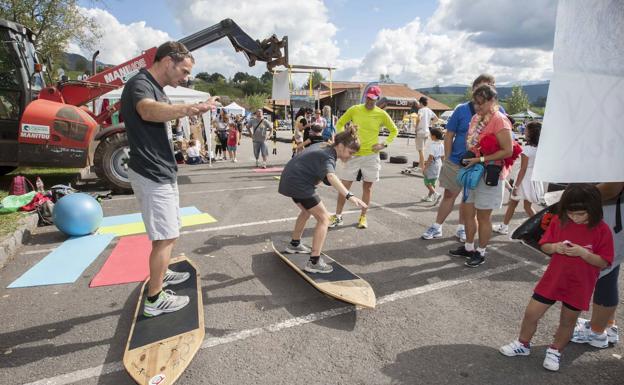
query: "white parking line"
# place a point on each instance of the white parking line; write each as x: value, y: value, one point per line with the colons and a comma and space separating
x: 196, y: 192
x: 209, y: 342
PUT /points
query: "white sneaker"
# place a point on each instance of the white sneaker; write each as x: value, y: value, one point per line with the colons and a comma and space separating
x: 301, y: 249
x: 235, y: 160
x: 428, y: 198
x: 167, y: 302
x: 257, y: 163
x: 515, y: 348
x: 319, y: 267
x: 173, y: 278
x: 432, y: 232
x: 436, y: 198
x: 501, y: 228
x: 612, y: 333
x: 600, y: 341
x: 552, y: 359
x: 461, y: 234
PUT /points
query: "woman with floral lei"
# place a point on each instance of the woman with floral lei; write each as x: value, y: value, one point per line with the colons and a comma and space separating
x: 489, y: 142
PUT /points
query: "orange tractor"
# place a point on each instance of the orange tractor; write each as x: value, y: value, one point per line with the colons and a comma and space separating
x: 51, y: 125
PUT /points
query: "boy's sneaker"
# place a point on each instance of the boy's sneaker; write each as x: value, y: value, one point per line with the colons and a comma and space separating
x: 319, y: 267
x: 515, y: 348
x: 432, y: 232
x: 264, y: 165
x: 362, y: 223
x: 501, y: 229
x: 436, y: 198
x: 461, y: 234
x: 474, y: 259
x: 173, y: 278
x: 257, y: 163
x: 335, y: 221
x: 460, y: 252
x: 612, y: 334
x: 552, y: 359
x: 167, y: 302
x: 427, y: 198
x: 301, y: 249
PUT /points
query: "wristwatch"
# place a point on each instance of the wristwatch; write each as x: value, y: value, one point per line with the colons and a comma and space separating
x: 482, y: 159
x: 349, y: 195
x: 385, y: 145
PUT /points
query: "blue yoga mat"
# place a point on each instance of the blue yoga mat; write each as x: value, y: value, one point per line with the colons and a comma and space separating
x: 133, y: 218
x: 66, y: 263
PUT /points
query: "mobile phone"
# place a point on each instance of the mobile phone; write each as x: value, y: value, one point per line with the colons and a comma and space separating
x: 465, y: 162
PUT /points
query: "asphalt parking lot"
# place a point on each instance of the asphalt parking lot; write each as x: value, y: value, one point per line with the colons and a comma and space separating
x: 436, y: 322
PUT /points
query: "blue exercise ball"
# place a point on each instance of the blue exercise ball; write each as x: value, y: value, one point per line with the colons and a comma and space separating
x: 77, y: 214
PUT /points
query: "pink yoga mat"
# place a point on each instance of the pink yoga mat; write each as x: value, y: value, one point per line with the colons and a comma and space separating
x: 270, y: 169
x: 129, y: 262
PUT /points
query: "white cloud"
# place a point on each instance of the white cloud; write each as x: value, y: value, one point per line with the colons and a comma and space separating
x: 500, y: 23
x: 450, y: 47
x: 306, y: 23
x: 120, y: 42
x: 425, y: 54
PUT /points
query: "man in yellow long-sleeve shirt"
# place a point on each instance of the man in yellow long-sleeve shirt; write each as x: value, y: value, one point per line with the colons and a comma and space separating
x: 369, y: 119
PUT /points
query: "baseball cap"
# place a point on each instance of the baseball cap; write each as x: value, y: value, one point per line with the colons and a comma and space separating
x: 373, y: 93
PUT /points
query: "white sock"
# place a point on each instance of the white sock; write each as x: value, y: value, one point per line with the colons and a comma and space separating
x: 437, y: 226
x: 469, y: 246
x: 481, y: 250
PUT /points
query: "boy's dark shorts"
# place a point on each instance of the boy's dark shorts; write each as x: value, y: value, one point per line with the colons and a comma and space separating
x: 308, y: 203
x: 606, y: 291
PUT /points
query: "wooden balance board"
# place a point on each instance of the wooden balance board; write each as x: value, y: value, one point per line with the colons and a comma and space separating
x: 160, y: 348
x: 340, y: 283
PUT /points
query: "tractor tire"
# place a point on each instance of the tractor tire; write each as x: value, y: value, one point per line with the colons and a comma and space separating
x: 415, y: 164
x: 398, y: 159
x: 383, y: 155
x: 6, y: 169
x: 110, y: 162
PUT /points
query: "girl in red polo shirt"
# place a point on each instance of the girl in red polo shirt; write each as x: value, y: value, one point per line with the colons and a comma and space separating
x: 580, y: 244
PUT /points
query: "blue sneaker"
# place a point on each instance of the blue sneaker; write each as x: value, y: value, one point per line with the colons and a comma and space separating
x: 432, y: 232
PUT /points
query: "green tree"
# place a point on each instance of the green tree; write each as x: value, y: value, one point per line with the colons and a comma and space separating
x: 55, y: 24
x: 255, y: 101
x: 266, y: 77
x: 203, y: 76
x: 518, y: 101
x: 468, y: 94
x: 242, y: 77
x: 317, y: 78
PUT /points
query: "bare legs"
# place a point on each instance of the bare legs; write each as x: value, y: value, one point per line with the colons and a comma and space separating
x: 158, y: 263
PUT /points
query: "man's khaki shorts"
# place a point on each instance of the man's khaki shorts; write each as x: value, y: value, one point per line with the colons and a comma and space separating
x: 448, y: 176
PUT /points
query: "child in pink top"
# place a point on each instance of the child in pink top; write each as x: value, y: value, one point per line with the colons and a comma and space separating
x: 580, y: 244
x: 233, y: 140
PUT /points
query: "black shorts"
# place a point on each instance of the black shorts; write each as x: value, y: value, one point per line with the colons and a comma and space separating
x: 308, y: 203
x: 548, y: 301
x: 606, y: 291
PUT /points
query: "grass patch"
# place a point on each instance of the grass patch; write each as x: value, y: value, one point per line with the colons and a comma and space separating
x: 49, y: 176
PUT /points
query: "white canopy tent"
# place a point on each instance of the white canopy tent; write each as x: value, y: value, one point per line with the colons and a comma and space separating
x: 528, y: 114
x: 176, y: 95
x: 234, y: 109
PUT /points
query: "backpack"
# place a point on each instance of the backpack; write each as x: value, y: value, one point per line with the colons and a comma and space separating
x: 329, y: 130
x: 469, y: 178
x: 20, y: 185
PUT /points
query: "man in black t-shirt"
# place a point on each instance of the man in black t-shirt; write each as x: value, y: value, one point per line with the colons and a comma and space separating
x: 152, y: 166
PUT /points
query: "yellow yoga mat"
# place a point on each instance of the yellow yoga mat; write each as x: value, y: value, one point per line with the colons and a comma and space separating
x: 139, y: 227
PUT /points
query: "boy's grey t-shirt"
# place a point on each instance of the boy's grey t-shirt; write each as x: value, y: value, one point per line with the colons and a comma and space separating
x: 151, y: 151
x: 259, y: 133
x: 303, y: 172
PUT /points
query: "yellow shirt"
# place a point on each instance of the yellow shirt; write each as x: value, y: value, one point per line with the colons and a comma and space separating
x: 369, y: 124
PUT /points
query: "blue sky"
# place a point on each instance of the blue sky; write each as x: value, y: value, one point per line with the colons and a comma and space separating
x: 421, y: 43
x: 354, y: 36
